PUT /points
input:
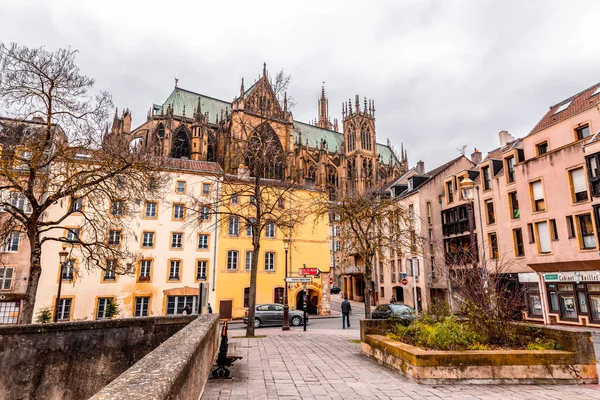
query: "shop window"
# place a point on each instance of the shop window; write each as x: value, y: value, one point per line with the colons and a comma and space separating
x: 587, y: 238
x: 578, y: 185
x: 553, y: 301
x: 595, y: 307
x: 177, y: 304
x: 593, y: 287
x: 567, y: 306
x: 582, y: 302
x: 534, y: 304
x: 565, y: 288
x: 513, y: 200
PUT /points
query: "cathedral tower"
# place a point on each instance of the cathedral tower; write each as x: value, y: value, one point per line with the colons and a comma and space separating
x: 360, y: 144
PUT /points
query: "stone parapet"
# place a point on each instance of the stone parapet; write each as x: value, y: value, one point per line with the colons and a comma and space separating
x: 177, y: 369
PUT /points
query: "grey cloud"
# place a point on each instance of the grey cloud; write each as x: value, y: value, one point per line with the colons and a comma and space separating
x: 442, y: 73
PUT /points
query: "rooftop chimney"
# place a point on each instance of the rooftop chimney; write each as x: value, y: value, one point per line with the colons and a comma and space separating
x: 421, y: 167
x: 505, y: 138
x: 476, y: 156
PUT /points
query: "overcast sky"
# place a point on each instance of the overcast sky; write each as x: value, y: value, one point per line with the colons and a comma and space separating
x: 442, y: 73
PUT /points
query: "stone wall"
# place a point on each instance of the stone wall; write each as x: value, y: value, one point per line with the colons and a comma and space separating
x: 177, y: 369
x: 76, y: 359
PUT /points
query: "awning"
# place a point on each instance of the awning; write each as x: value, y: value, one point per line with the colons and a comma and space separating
x: 588, y: 265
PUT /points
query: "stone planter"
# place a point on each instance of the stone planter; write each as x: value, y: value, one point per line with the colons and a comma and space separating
x: 575, y: 364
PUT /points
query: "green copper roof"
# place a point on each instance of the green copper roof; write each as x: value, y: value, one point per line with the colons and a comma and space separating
x: 181, y: 97
x: 314, y: 134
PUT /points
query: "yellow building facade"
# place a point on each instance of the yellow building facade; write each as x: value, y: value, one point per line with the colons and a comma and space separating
x: 309, y: 247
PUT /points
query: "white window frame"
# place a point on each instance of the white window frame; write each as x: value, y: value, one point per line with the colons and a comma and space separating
x: 269, y: 261
x: 234, y: 226
x: 144, y: 306
x: 148, y: 240
x: 6, y: 281
x: 174, y: 270
x: 201, y: 266
x: 114, y: 237
x: 232, y: 260
x: 11, y: 244
x: 177, y: 240
x: 203, y: 241
x: 178, y: 211
x: 248, y: 259
x: 151, y: 209
x: 103, y: 302
x: 62, y: 305
x: 146, y: 268
x: 270, y: 230
x: 117, y: 208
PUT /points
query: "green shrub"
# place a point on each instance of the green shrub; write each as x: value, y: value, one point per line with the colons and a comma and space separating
x: 544, y: 344
x: 44, y: 315
x: 448, y: 334
x: 112, y: 309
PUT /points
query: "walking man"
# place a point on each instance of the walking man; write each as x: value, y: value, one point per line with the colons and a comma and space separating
x: 346, y: 310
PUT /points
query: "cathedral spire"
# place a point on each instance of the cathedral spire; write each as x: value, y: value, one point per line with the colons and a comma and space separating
x: 242, y: 91
x: 264, y: 70
x: 323, y: 121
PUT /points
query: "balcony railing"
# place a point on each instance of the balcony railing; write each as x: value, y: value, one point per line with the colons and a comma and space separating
x: 352, y: 269
x: 455, y: 228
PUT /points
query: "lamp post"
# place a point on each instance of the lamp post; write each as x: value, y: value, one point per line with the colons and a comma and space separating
x: 467, y: 188
x: 286, y: 307
x: 63, y: 259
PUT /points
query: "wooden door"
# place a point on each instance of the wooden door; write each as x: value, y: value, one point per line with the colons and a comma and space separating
x: 225, y: 308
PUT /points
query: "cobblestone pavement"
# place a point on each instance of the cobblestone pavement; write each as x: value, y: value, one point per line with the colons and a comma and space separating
x: 326, y: 364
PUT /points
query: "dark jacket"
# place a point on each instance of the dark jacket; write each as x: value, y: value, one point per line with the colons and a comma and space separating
x: 346, y: 308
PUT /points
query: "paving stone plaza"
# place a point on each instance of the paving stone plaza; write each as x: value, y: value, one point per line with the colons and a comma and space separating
x: 328, y: 364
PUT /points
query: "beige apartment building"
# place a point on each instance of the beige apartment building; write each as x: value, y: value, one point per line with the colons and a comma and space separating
x: 175, y: 253
x: 422, y: 264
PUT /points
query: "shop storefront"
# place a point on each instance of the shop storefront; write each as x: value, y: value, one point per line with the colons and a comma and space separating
x: 573, y: 297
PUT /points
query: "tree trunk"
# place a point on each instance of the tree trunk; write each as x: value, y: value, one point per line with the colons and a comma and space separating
x: 252, y: 294
x: 35, y: 270
x: 367, y: 277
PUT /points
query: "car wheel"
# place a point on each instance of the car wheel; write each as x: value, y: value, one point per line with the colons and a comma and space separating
x: 296, y: 321
x: 257, y: 323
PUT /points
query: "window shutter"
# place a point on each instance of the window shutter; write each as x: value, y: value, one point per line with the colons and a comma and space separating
x: 538, y: 193
x: 578, y: 179
x: 544, y: 235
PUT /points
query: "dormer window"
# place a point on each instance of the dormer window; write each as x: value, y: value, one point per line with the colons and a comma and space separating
x: 410, y: 184
x: 562, y: 107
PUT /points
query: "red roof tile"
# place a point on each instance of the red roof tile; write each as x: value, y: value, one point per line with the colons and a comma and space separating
x: 579, y: 102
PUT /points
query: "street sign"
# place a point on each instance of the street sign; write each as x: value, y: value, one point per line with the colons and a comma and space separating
x: 405, y: 281
x: 331, y: 281
x: 404, y: 275
x: 309, y: 271
x: 299, y: 279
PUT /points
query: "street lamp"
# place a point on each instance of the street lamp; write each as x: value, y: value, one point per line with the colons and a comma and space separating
x: 467, y: 188
x: 63, y: 259
x: 286, y: 307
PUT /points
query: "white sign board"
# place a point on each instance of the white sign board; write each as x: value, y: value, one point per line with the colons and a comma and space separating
x: 299, y: 280
x: 585, y: 276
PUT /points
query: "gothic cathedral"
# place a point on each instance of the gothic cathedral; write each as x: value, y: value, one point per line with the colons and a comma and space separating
x: 197, y: 127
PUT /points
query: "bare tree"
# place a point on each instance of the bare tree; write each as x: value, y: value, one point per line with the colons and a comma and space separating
x: 264, y: 195
x: 371, y: 223
x: 488, y: 295
x: 281, y: 85
x: 58, y: 160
